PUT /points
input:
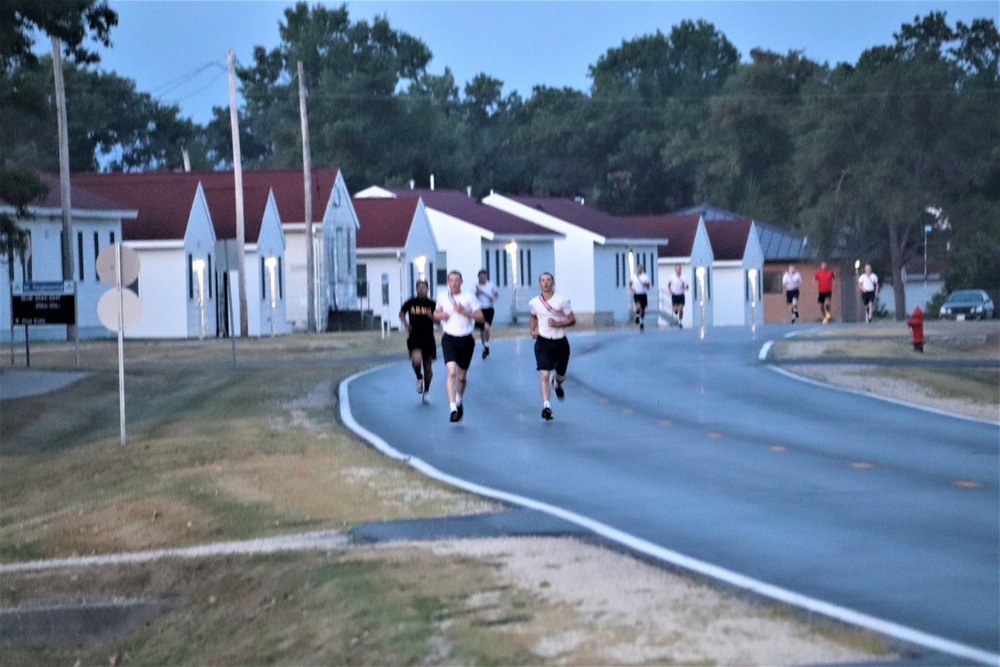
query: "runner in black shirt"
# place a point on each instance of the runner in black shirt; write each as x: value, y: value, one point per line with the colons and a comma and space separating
x: 417, y: 315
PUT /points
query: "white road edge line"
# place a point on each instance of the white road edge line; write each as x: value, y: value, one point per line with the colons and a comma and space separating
x: 860, y: 392
x: 674, y: 558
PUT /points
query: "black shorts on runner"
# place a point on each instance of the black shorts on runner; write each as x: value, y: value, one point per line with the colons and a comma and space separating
x: 677, y: 299
x: 867, y: 297
x: 488, y: 314
x: 458, y: 349
x: 552, y: 354
x: 640, y: 299
x: 426, y: 345
x: 791, y: 295
x: 824, y: 297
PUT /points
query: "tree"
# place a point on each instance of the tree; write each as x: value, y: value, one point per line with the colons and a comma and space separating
x: 74, y: 22
x: 650, y: 96
x: 352, y: 71
x: 747, y: 143
x: 908, y: 127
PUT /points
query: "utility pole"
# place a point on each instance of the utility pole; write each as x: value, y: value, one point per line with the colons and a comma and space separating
x: 64, y: 185
x: 238, y: 175
x: 307, y: 183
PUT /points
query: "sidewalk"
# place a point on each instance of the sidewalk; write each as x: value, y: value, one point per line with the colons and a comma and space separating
x: 21, y: 383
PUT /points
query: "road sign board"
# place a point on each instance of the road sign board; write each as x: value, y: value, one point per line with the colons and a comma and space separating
x: 107, y: 309
x: 43, y: 308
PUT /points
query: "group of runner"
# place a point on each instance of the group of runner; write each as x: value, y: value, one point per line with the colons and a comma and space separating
x: 640, y: 284
x: 461, y: 312
x: 792, y: 282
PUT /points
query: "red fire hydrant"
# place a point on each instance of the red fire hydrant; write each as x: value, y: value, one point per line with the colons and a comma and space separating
x: 916, y: 322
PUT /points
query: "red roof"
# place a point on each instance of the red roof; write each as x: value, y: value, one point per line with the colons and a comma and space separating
x: 164, y: 199
x: 80, y: 198
x: 680, y: 229
x: 460, y: 205
x: 586, y: 217
x: 384, y: 223
x: 729, y: 237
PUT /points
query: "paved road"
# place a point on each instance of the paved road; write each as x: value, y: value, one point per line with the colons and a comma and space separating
x: 692, y: 444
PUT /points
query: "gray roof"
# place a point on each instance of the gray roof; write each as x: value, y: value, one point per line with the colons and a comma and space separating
x: 778, y: 244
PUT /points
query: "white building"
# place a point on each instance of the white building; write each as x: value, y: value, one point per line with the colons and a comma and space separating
x: 396, y: 248
x: 471, y: 236
x: 184, y: 235
x: 595, y: 255
x: 95, y: 223
x: 691, y: 250
x: 737, y: 272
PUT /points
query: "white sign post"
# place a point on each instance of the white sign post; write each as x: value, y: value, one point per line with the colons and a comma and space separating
x: 119, y: 308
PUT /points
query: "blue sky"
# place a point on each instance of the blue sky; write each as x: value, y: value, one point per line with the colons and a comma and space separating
x: 176, y: 49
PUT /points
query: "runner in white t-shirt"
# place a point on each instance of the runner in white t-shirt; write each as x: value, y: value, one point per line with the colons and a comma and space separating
x: 551, y: 313
x: 486, y: 293
x: 639, y: 284
x: 458, y: 312
x: 868, y: 284
x: 791, y: 281
x: 677, y: 286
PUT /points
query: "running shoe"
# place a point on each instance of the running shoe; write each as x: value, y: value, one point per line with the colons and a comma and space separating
x: 637, y: 319
x: 486, y: 352
x: 547, y: 414
x: 642, y: 327
x: 560, y: 392
x: 454, y: 416
x: 461, y: 412
x: 420, y: 385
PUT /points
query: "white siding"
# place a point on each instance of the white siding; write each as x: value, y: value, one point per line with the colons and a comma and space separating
x: 162, y: 293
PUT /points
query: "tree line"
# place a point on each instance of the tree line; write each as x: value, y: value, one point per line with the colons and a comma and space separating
x: 850, y: 155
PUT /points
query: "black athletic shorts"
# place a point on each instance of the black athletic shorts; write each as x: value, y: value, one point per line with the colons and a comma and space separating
x: 458, y: 349
x: 424, y: 343
x: 791, y: 295
x: 641, y: 299
x: 867, y: 297
x: 677, y: 299
x: 824, y: 296
x: 552, y: 354
x: 488, y: 314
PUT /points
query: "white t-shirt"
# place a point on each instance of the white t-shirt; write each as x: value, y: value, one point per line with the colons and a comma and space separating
x: 868, y: 282
x: 486, y: 293
x: 640, y: 283
x: 558, y: 308
x: 676, y: 285
x: 457, y: 324
x: 791, y: 280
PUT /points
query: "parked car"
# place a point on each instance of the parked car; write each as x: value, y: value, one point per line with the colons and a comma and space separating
x: 967, y: 304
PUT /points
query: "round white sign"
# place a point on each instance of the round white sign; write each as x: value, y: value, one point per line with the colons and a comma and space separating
x: 108, y: 258
x: 107, y: 309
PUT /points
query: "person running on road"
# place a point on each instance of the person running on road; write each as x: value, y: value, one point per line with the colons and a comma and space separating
x: 791, y: 281
x: 677, y: 286
x: 551, y: 314
x: 639, y: 284
x: 457, y: 311
x: 868, y: 284
x: 487, y: 294
x: 824, y: 287
x: 417, y: 317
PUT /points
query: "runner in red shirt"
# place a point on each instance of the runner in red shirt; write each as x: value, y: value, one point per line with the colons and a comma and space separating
x: 824, y: 285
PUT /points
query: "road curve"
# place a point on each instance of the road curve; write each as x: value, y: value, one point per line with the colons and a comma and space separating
x: 685, y: 445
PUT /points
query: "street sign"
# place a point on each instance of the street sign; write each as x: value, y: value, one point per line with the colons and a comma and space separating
x: 107, y: 309
x: 107, y: 259
x: 49, y: 302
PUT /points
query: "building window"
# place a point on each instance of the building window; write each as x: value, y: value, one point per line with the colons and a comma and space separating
x: 520, y: 263
x: 505, y: 268
x: 281, y: 285
x: 362, y: 281
x: 529, y: 267
x: 97, y: 251
x: 263, y: 280
x: 79, y: 254
x: 190, y: 276
x: 112, y: 237
x: 210, y: 274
